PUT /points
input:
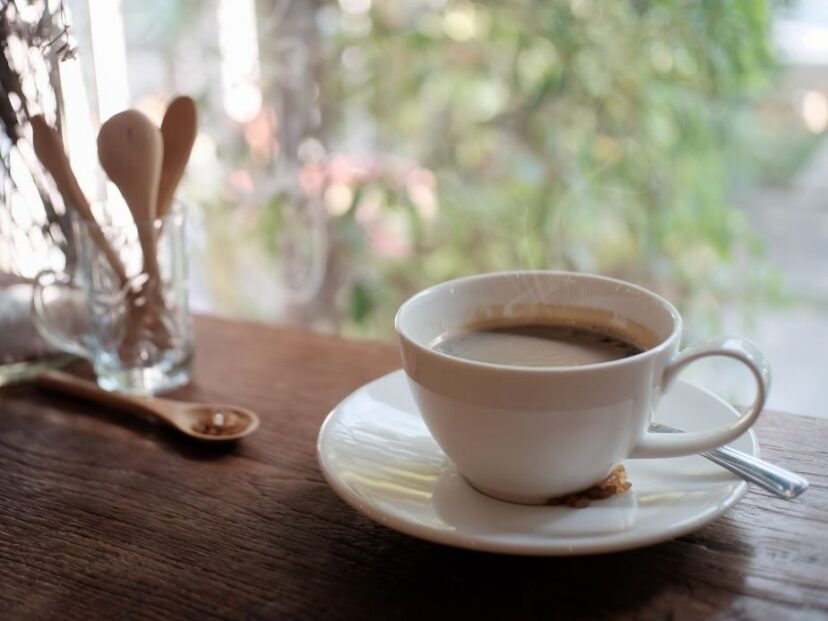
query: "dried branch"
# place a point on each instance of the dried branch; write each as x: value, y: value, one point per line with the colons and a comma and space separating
x: 49, y: 34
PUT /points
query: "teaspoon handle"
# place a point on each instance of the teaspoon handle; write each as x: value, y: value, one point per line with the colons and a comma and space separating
x: 774, y: 479
x: 778, y: 481
x: 78, y: 387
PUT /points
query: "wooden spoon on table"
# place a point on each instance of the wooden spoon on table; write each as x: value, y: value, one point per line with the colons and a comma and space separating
x: 48, y: 147
x: 202, y: 421
x: 178, y: 129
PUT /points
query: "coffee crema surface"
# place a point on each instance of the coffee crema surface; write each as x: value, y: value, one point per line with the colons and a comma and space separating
x: 545, y: 342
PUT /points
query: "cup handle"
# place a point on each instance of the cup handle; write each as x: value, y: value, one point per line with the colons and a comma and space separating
x: 676, y: 445
x: 44, y: 322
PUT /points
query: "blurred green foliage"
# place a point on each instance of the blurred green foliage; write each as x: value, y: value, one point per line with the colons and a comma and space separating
x: 584, y: 135
x: 460, y: 137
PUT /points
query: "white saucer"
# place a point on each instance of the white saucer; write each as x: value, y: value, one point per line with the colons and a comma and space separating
x: 377, y: 454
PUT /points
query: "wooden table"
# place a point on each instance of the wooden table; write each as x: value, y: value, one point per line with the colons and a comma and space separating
x: 107, y: 520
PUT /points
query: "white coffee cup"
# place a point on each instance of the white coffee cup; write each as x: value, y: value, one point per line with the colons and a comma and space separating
x: 531, y: 434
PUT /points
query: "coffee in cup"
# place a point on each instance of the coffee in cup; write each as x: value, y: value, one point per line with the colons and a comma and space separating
x: 558, y: 337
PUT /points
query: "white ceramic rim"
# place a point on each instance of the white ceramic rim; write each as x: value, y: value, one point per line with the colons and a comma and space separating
x: 424, y: 349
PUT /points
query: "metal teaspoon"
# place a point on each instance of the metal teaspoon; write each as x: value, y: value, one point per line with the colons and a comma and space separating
x: 774, y: 479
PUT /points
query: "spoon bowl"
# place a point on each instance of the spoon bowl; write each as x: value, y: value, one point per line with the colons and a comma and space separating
x: 215, y: 422
x: 178, y: 130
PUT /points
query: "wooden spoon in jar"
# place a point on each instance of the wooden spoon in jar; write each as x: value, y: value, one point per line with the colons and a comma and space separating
x: 178, y: 129
x: 48, y: 146
x: 208, y: 422
x: 130, y: 149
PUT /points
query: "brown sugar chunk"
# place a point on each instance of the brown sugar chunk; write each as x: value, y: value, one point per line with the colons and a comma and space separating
x: 615, y: 483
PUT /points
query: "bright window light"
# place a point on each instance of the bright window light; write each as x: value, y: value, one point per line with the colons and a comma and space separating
x: 106, y: 27
x: 239, y: 48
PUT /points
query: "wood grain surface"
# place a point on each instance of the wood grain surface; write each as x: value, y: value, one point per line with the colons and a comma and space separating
x: 108, y: 519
